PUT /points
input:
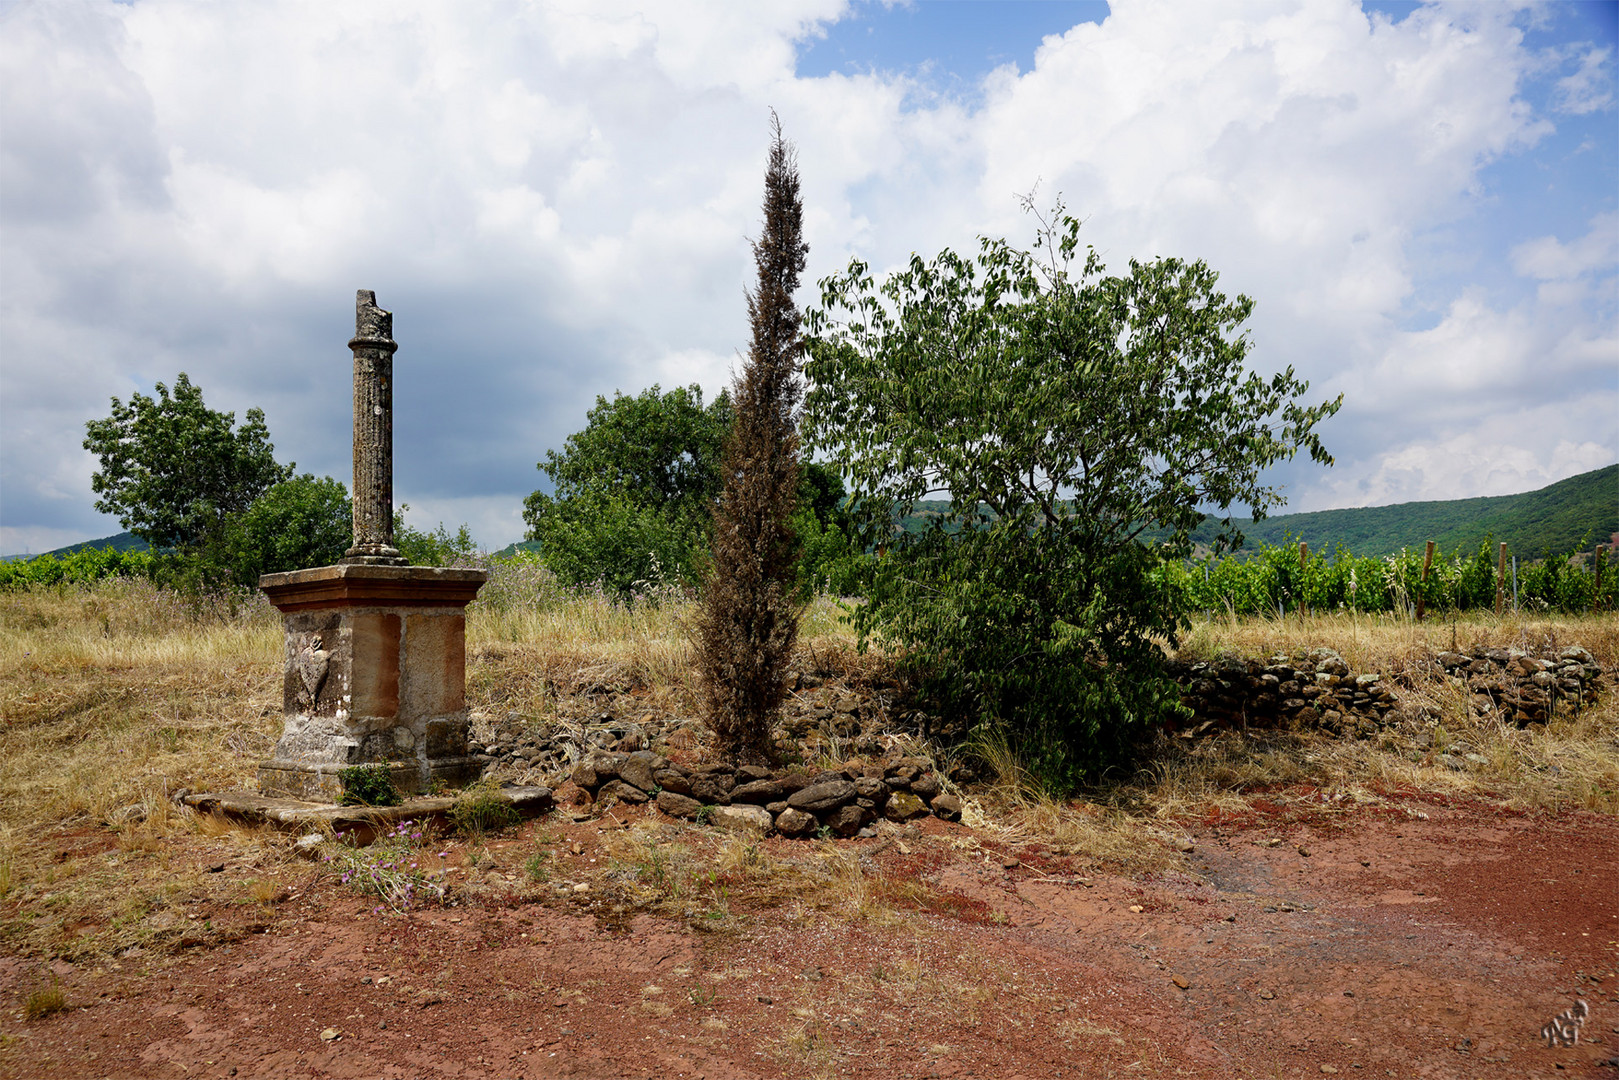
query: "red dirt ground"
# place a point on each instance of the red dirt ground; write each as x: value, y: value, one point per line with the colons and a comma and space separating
x: 1399, y: 945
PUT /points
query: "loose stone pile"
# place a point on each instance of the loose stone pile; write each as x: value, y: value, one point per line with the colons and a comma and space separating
x: 597, y: 750
x: 1319, y: 689
x: 605, y: 757
x: 796, y: 802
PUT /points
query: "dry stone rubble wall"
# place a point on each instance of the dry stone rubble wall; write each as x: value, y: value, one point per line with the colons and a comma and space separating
x: 1318, y: 690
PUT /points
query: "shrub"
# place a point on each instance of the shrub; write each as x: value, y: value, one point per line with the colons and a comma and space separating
x: 369, y: 785
x: 1066, y: 413
x: 480, y: 809
x: 44, y: 1001
x: 748, y: 623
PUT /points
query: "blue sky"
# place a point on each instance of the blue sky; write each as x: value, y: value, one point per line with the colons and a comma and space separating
x: 555, y: 200
x: 951, y: 45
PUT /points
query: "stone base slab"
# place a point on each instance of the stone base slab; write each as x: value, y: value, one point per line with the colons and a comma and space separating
x: 322, y: 781
x: 252, y: 808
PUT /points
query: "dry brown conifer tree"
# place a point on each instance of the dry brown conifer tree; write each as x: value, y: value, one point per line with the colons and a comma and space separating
x: 748, y: 624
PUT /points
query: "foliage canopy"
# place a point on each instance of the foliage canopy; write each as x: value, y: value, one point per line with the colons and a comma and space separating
x: 173, y: 469
x: 1064, y: 411
x: 297, y: 523
x: 634, y: 493
x: 632, y: 490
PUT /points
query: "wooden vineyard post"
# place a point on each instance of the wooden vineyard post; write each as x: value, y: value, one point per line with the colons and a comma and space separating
x: 1304, y: 558
x: 1422, y: 593
x: 1500, y: 578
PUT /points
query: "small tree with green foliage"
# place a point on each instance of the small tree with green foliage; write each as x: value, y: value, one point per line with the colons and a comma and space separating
x: 1064, y: 412
x: 300, y: 522
x: 174, y: 470
x: 632, y: 490
x: 439, y: 547
x: 296, y: 524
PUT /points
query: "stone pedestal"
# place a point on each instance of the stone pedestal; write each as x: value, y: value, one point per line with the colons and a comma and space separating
x: 375, y: 673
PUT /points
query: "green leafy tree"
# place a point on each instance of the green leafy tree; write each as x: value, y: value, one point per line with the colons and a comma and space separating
x: 748, y: 623
x: 440, y: 547
x: 828, y: 561
x: 296, y: 524
x: 632, y: 490
x: 174, y: 470
x: 1064, y: 411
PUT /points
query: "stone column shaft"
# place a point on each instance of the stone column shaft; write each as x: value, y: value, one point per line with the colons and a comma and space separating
x: 373, y: 347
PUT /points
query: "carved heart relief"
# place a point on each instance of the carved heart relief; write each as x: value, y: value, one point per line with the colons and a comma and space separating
x: 311, y: 661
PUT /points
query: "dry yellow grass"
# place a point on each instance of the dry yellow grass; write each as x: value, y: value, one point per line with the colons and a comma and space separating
x: 710, y: 877
x: 1573, y: 761
x: 1135, y: 821
x: 113, y: 697
x: 1388, y: 642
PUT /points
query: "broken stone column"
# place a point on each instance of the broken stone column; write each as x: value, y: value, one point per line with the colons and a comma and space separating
x: 374, y: 347
x: 375, y: 660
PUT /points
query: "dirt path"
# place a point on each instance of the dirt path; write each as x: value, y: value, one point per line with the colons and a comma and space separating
x: 1367, y: 943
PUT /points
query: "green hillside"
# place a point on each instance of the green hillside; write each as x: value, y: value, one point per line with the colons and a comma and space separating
x: 524, y: 546
x: 122, y: 542
x: 1553, y: 520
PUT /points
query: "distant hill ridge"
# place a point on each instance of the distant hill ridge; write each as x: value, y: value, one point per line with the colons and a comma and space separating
x: 122, y: 542
x: 1578, y: 513
x: 1582, y: 510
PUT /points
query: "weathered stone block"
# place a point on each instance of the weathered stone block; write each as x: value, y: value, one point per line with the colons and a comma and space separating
x: 903, y: 806
x: 677, y: 805
x: 758, y: 792
x: 434, y: 675
x: 872, y: 788
x: 374, y: 668
x: 672, y: 779
x: 446, y: 738
x: 374, y: 673
x: 926, y: 787
x: 584, y: 775
x: 823, y: 797
x: 741, y: 817
x: 712, y: 788
x: 947, y: 807
x: 640, y: 768
x: 618, y: 789
x: 848, y: 820
x: 790, y: 822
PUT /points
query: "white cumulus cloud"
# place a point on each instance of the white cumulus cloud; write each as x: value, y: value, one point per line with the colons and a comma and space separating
x: 555, y: 198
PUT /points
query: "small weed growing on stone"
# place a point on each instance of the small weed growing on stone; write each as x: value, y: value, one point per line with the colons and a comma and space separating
x: 369, y: 785
x: 45, y: 1001
x: 480, y: 809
